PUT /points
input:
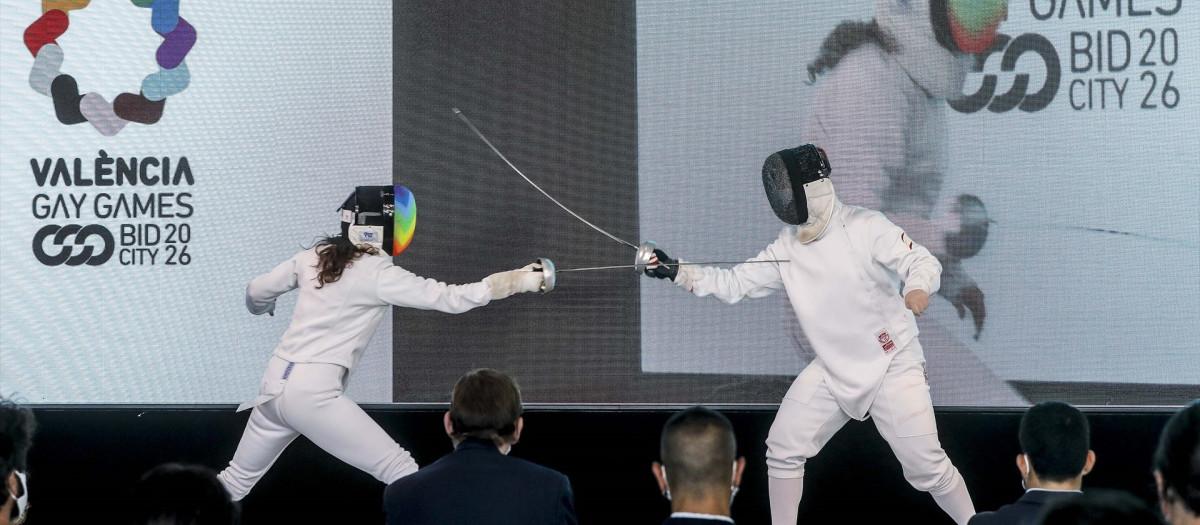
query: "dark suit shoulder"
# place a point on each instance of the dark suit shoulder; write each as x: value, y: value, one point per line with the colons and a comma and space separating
x: 991, y: 517
x: 479, y: 485
x: 535, y: 469
x: 455, y: 463
x: 1016, y: 513
x: 1021, y: 512
x: 694, y: 521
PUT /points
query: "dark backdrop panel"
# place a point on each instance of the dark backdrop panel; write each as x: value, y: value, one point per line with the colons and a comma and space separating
x: 85, y: 460
x: 552, y: 84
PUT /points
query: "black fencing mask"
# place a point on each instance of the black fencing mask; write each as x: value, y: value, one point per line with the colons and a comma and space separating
x: 784, y: 175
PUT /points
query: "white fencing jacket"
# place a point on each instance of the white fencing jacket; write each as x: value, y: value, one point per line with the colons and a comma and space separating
x: 843, y: 287
x: 334, y: 323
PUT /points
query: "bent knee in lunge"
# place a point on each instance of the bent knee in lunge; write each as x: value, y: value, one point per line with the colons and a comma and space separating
x: 935, y: 477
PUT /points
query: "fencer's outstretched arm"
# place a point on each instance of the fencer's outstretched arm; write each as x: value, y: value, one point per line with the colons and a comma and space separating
x: 400, y: 287
x: 262, y: 291
x: 730, y: 284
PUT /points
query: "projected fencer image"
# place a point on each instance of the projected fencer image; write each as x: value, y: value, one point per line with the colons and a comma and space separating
x: 347, y: 284
x: 856, y: 281
x: 881, y: 91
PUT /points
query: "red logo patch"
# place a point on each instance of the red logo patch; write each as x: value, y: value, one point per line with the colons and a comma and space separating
x: 885, y: 341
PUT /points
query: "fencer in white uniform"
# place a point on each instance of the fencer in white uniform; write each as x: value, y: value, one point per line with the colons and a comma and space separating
x: 855, y: 281
x: 303, y: 388
x: 880, y: 110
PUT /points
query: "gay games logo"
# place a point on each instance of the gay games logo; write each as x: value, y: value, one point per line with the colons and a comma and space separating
x: 145, y: 107
x: 1021, y: 95
x: 72, y: 243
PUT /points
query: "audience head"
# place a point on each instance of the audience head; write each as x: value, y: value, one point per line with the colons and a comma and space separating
x: 176, y: 494
x: 485, y: 404
x: 16, y: 437
x: 1055, y: 441
x: 1177, y: 466
x: 700, y: 470
x: 1099, y: 507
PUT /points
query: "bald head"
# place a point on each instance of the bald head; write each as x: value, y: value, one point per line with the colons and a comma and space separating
x: 698, y: 450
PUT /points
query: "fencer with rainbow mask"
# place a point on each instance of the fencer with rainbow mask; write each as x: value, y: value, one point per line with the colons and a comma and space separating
x: 347, y: 284
x: 856, y: 282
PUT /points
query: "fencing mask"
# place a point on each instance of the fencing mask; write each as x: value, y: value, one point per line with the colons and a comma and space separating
x: 967, y: 26
x: 381, y: 216
x: 798, y: 187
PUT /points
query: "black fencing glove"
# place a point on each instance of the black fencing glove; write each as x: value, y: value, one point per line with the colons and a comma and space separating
x: 662, y: 266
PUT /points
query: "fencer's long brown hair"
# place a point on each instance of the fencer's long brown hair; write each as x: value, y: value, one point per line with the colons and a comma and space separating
x: 334, y: 254
x: 847, y: 37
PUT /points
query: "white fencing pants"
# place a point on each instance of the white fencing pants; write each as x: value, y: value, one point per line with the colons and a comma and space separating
x: 310, y: 401
x: 903, y: 413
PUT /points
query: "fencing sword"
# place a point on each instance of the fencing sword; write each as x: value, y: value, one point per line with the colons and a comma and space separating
x: 535, y: 186
x: 550, y: 273
x: 1050, y: 226
x: 644, y: 252
x: 655, y: 265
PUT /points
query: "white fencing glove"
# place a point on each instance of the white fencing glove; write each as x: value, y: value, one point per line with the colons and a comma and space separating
x: 688, y: 275
x: 526, y: 279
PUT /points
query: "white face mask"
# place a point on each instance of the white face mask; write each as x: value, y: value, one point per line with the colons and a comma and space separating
x: 733, y: 489
x: 22, y: 502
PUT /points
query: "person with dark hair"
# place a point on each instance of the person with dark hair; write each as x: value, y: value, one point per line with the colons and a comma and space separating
x: 1177, y: 467
x: 17, y: 426
x: 699, y: 450
x: 347, y: 284
x: 479, y: 482
x: 1098, y: 507
x: 1055, y: 455
x: 178, y: 494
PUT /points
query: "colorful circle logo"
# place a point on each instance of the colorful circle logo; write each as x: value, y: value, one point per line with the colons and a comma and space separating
x: 145, y: 107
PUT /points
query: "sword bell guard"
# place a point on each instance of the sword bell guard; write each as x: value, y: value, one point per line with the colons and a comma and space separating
x: 645, y: 253
x: 549, y: 275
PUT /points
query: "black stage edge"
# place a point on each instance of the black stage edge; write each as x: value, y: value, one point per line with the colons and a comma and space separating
x: 85, y: 459
x: 1094, y: 393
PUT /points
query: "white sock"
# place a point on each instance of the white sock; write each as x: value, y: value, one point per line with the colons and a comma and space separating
x: 956, y: 502
x: 785, y: 499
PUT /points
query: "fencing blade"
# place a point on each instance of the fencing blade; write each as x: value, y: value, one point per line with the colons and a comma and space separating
x: 1185, y: 243
x: 531, y: 183
x: 707, y: 263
